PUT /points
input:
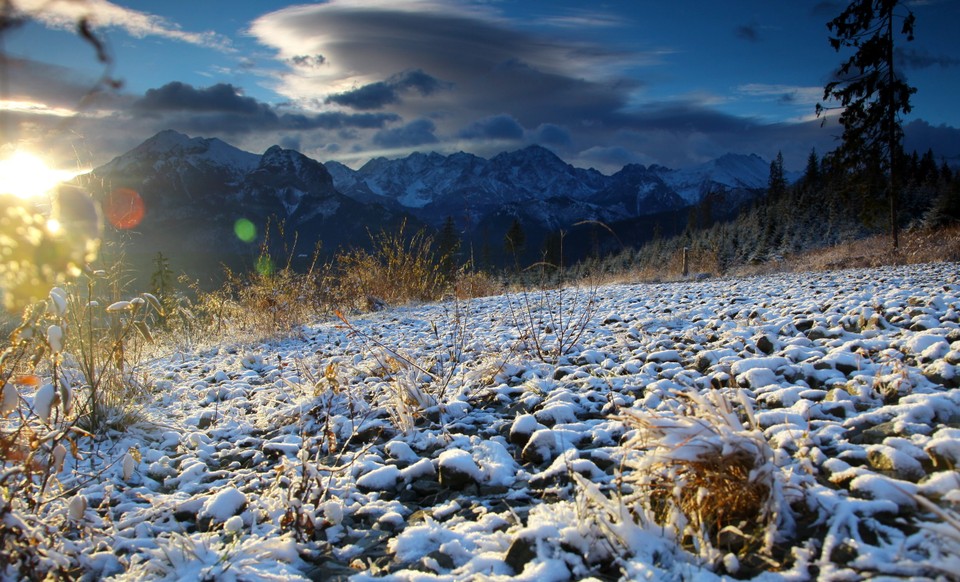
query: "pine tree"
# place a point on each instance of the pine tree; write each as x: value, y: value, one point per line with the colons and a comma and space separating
x: 811, y: 174
x: 777, y: 183
x: 870, y: 92
x: 515, y: 241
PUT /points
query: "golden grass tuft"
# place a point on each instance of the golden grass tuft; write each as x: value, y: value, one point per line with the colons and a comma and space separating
x: 715, y: 494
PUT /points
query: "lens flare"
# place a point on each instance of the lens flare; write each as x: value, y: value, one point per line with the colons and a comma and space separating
x: 25, y: 175
x: 124, y: 208
x: 245, y: 230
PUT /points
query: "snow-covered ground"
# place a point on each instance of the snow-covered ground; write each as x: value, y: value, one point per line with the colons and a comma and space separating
x: 434, y: 442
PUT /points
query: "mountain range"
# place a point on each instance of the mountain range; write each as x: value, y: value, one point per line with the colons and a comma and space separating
x: 194, y: 191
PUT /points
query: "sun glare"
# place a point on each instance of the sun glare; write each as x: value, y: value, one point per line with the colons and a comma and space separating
x: 27, y: 176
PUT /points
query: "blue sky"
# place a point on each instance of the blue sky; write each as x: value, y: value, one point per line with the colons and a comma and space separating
x: 602, y: 84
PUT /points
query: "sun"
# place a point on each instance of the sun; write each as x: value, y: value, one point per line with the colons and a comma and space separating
x: 26, y: 175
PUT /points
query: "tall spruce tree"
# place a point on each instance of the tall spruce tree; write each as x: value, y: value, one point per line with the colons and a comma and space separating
x: 870, y: 92
x: 777, y: 182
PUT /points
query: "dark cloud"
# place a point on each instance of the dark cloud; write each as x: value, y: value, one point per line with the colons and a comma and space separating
x: 501, y: 126
x: 681, y: 134
x: 915, y: 59
x: 416, y: 133
x: 372, y: 96
x: 291, y: 142
x: 610, y: 158
x: 177, y: 96
x: 920, y: 136
x: 307, y: 61
x: 378, y: 95
x: 552, y: 135
x: 222, y: 108
x: 749, y: 32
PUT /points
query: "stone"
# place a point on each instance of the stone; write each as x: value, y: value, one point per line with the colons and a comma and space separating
x: 522, y: 551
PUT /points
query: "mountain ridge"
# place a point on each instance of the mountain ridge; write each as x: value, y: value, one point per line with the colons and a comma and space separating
x: 195, y: 188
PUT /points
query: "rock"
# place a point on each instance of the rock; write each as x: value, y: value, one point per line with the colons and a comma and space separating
x: 872, y: 435
x: 546, y: 444
x: 522, y: 551
x: 765, y: 344
x: 206, y: 420
x: 383, y: 478
x: 458, y: 470
x: 443, y: 561
x: 523, y: 426
x: 894, y: 463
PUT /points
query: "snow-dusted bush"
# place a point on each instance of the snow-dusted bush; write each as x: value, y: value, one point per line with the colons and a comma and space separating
x: 708, y: 477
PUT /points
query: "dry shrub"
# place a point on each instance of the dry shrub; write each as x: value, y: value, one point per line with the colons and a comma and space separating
x: 399, y: 269
x: 916, y: 246
x: 717, y: 493
x: 471, y: 284
x: 711, y: 480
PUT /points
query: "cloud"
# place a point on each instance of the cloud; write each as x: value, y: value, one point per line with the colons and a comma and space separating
x: 416, y: 133
x: 915, y: 59
x: 291, y: 142
x: 552, y: 135
x: 222, y: 108
x: 610, y: 158
x: 307, y: 61
x: 52, y: 85
x: 177, y: 96
x: 100, y: 13
x: 785, y: 94
x: 501, y: 126
x: 382, y: 93
x: 487, y: 65
x: 749, y: 32
x: 920, y: 136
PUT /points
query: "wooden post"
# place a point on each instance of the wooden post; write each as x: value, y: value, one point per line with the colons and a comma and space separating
x: 685, y: 265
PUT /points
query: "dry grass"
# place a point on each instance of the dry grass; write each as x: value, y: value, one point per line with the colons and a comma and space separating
x: 927, y: 245
x: 708, y: 477
x: 717, y: 494
x: 916, y: 246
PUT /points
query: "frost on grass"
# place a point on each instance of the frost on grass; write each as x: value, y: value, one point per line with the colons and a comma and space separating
x: 709, y: 476
x: 779, y: 428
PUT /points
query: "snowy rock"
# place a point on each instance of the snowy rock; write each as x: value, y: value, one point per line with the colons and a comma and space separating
x: 895, y: 463
x: 943, y: 373
x: 900, y: 494
x: 664, y: 356
x: 523, y: 426
x: 458, y: 469
x: 382, y: 479
x: 401, y: 452
x: 944, y: 448
x: 546, y: 444
x: 223, y: 505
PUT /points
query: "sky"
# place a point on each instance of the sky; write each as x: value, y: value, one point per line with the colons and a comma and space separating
x: 602, y: 84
